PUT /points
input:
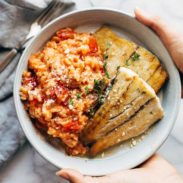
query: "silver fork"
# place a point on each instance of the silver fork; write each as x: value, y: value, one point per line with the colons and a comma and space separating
x: 52, y: 11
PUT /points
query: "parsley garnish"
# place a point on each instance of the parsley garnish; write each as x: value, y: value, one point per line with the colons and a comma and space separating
x: 105, y: 56
x: 86, y: 90
x: 108, y: 45
x: 118, y: 67
x: 96, y: 82
x: 99, y: 85
x: 71, y: 102
x: 109, y: 87
x: 105, y: 70
x: 135, y: 56
x: 78, y: 95
x: 91, y: 112
x: 127, y: 63
x: 101, y: 98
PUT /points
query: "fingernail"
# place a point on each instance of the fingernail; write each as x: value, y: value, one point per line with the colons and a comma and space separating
x: 137, y: 8
x: 57, y: 173
x: 62, y: 174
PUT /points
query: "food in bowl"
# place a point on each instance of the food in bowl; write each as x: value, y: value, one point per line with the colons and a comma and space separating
x: 70, y: 79
x: 58, y: 87
x: 128, y: 54
x: 129, y: 110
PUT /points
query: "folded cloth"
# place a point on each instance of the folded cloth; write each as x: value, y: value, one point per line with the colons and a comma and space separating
x: 16, y: 17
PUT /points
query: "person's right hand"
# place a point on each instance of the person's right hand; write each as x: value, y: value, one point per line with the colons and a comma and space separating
x: 171, y: 39
x: 155, y: 170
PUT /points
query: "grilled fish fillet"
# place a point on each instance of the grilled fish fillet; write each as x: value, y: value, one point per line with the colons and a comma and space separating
x: 145, y: 65
x: 121, y: 52
x: 157, y: 79
x: 121, y: 84
x: 117, y: 49
x: 139, y: 123
x: 136, y: 93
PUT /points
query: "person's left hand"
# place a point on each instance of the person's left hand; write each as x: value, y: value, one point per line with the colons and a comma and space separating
x: 155, y: 170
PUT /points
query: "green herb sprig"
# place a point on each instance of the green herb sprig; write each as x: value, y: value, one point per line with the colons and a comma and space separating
x: 105, y: 70
x: 78, y: 95
x: 71, y: 102
x: 87, y: 90
x: 135, y: 57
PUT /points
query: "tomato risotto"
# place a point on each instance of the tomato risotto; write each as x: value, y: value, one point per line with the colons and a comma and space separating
x: 58, y: 87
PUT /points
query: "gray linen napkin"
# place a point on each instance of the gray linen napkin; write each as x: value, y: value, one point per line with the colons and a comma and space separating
x: 16, y: 17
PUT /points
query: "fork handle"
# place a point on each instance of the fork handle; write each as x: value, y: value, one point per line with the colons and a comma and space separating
x: 8, y: 58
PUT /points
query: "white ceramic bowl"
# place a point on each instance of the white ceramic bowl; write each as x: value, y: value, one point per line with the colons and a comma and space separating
x: 122, y: 157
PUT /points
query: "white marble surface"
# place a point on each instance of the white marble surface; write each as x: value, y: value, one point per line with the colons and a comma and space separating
x: 28, y: 166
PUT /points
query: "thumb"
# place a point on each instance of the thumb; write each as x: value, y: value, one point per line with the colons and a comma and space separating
x: 71, y: 175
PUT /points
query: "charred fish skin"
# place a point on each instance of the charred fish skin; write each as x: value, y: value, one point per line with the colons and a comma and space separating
x: 146, y: 117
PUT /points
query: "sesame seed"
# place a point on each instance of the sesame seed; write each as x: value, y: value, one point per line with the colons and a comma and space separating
x: 123, y: 133
x: 103, y: 154
x: 71, y: 107
x: 134, y: 142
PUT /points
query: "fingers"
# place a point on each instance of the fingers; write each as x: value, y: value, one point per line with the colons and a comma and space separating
x: 76, y: 177
x: 143, y: 17
x: 71, y: 175
x: 157, y: 161
x: 172, y: 40
x: 153, y: 22
x: 153, y: 161
x: 165, y: 32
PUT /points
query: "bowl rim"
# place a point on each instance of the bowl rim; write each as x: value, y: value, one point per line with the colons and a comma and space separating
x: 16, y: 93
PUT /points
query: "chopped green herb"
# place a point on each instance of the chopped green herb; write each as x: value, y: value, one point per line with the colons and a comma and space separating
x: 96, y: 82
x: 86, y: 90
x: 127, y: 63
x: 105, y: 70
x: 99, y: 85
x: 105, y: 56
x: 99, y: 88
x: 109, y: 87
x: 71, y: 102
x: 108, y: 45
x: 118, y: 69
x: 135, y: 56
x: 91, y: 112
x: 78, y: 95
x: 101, y: 98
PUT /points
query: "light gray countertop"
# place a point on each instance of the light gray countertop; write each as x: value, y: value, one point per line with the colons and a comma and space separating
x: 28, y: 166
